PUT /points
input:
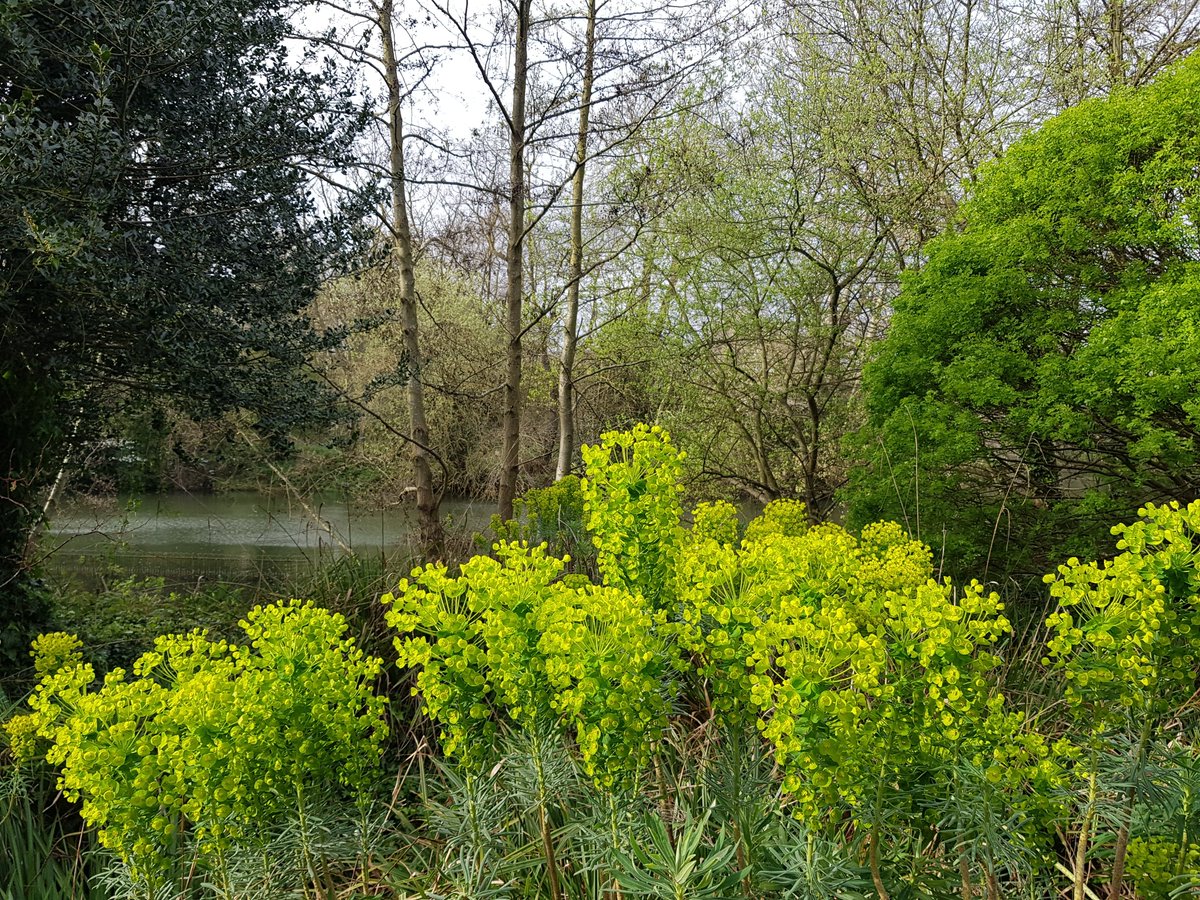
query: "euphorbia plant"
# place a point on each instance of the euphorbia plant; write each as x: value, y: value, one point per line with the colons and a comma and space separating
x: 1126, y: 637
x: 631, y: 501
x: 216, y: 738
x: 867, y: 676
x: 510, y: 644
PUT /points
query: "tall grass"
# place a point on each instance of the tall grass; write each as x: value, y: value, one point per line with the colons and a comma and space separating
x: 44, y: 853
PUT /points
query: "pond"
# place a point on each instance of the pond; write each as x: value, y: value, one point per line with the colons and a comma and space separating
x: 232, y: 538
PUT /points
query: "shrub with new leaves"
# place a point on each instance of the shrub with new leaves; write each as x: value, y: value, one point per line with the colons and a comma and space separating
x: 631, y: 500
x: 859, y: 687
x: 610, y: 670
x: 717, y: 521
x: 222, y: 739
x: 786, y: 517
x: 511, y: 643
x: 1126, y: 637
x: 441, y: 622
x: 552, y: 515
x: 728, y: 594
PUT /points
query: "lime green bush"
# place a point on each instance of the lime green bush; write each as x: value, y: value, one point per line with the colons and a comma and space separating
x: 786, y: 517
x: 1126, y: 634
x: 729, y: 594
x: 871, y: 681
x: 631, y: 497
x: 216, y: 739
x: 1126, y: 639
x: 552, y: 515
x: 509, y: 644
x: 875, y: 685
x: 1161, y: 867
x: 852, y: 659
x: 717, y: 521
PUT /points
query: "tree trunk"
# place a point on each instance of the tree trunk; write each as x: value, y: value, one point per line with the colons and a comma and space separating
x: 566, y: 380
x: 431, y: 536
x: 1116, y: 36
x: 515, y: 260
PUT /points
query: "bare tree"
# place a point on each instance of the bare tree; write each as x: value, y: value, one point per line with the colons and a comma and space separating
x: 634, y: 60
x: 566, y: 380
x: 432, y: 538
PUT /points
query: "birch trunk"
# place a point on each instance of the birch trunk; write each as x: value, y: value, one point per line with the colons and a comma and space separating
x: 566, y: 380
x: 515, y: 260
x: 431, y: 536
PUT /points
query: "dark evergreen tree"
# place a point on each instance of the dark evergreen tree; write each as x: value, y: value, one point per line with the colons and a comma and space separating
x: 158, y: 233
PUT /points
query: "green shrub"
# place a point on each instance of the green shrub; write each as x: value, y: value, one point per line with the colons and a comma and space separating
x: 216, y: 739
x: 552, y: 516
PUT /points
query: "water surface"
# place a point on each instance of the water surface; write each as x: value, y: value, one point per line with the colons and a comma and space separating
x: 238, y: 538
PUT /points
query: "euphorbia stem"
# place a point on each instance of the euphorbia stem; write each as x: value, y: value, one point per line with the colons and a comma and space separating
x: 1118, y: 871
x: 548, y: 846
x: 1122, y: 846
x: 873, y: 857
x: 544, y: 821
x: 873, y: 849
x: 993, y: 885
x: 664, y: 798
x: 739, y: 838
x: 1081, y: 844
x: 964, y: 871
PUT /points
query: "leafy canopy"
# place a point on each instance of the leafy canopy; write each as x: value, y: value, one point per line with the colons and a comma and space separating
x: 1041, y: 374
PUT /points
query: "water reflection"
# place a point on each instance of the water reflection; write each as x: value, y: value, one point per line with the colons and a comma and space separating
x: 238, y: 538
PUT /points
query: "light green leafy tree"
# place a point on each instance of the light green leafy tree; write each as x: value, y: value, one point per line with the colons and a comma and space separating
x: 1041, y: 372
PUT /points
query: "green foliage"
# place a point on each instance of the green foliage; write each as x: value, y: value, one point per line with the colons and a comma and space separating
x: 1160, y: 870
x: 763, y: 243
x: 1040, y: 375
x: 54, y: 652
x: 552, y: 516
x: 680, y: 869
x: 813, y: 715
x: 1126, y: 634
x: 120, y: 620
x: 716, y: 522
x: 28, y: 604
x: 158, y: 229
x: 786, y: 517
x: 509, y: 642
x: 40, y: 860
x: 631, y: 500
x: 872, y: 688
x: 871, y: 682
x: 728, y: 594
x: 860, y: 669
x: 214, y: 738
x: 508, y: 637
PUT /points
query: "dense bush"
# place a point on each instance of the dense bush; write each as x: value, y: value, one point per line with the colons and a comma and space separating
x: 1039, y: 376
x: 219, y: 740
x: 552, y: 516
